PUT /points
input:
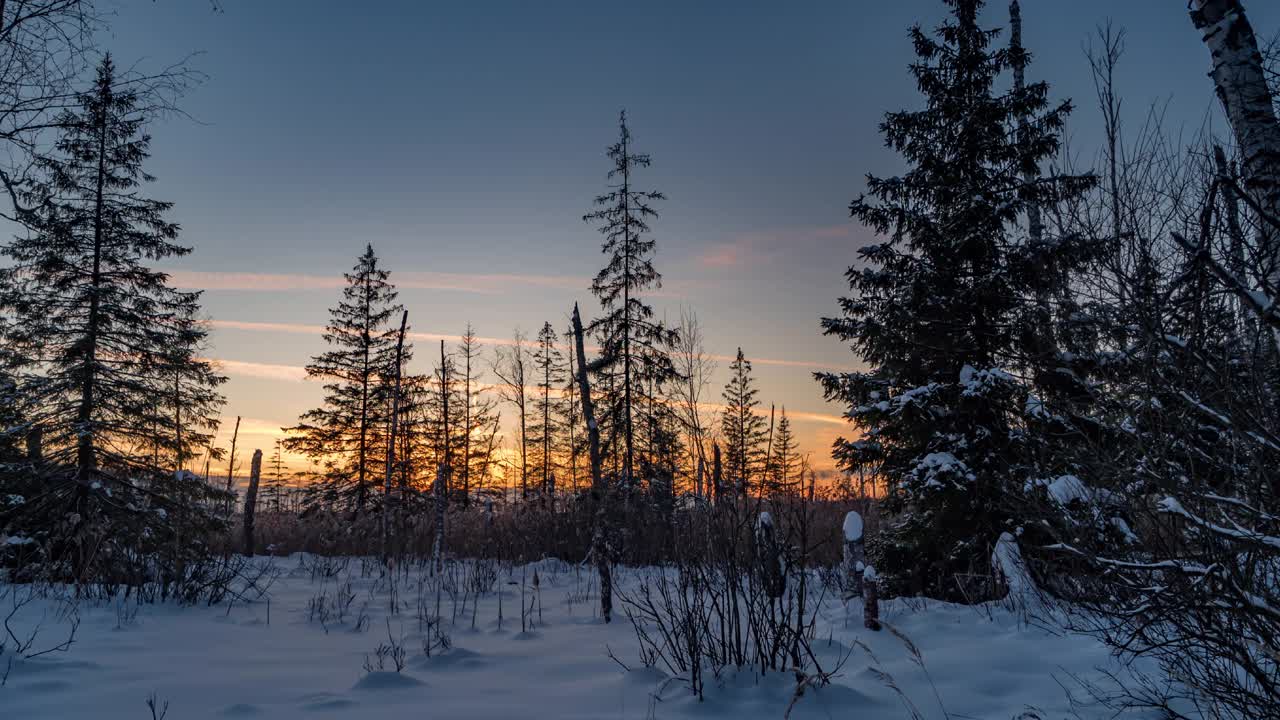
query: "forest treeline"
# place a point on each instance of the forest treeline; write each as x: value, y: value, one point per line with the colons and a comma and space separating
x: 1070, y: 381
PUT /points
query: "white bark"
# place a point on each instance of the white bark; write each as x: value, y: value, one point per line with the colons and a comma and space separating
x: 437, y: 550
x: 1241, y: 85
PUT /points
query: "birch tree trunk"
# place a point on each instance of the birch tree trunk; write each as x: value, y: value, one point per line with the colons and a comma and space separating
x: 251, y: 501
x: 599, y: 485
x: 437, y: 550
x: 1241, y: 84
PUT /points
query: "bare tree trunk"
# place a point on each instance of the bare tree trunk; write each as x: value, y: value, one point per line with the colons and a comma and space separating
x: 717, y: 482
x: 35, y: 443
x: 251, y: 501
x: 391, y: 443
x: 177, y: 418
x: 766, y: 481
x: 466, y: 420
x: 573, y: 439
x: 698, y: 478
x: 1241, y: 84
x: 599, y: 485
x: 231, y: 463
x: 442, y: 473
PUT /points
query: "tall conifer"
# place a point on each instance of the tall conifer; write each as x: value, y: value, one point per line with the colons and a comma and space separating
x: 635, y: 347
x: 937, y: 304
x: 346, y: 433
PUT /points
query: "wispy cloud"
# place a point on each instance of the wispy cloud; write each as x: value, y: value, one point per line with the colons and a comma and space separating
x: 267, y: 371
x: 253, y: 426
x: 814, y: 417
x: 483, y: 283
x: 762, y: 246
x: 806, y: 364
x: 304, y: 329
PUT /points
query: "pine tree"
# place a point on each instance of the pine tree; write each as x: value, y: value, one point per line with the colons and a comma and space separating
x: 346, y: 432
x: 479, y: 421
x: 191, y: 399
x: 549, y: 370
x: 783, y: 467
x: 742, y: 427
x: 635, y: 348
x: 937, y: 307
x: 275, y: 484
x: 107, y: 355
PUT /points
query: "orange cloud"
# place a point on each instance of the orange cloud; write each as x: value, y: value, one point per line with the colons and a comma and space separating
x: 755, y: 247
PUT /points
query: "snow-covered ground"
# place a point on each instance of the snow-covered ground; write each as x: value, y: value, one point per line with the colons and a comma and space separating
x: 276, y: 660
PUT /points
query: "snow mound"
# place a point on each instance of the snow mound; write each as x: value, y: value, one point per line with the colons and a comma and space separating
x: 1007, y: 559
x: 386, y: 680
x: 1063, y: 489
x: 852, y: 526
x: 984, y: 664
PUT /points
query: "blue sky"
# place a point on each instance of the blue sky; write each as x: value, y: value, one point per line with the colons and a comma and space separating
x: 466, y: 139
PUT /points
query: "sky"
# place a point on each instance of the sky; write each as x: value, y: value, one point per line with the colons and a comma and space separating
x: 465, y: 140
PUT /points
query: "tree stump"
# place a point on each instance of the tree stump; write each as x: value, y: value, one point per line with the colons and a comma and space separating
x: 251, y: 501
x: 870, y: 599
x: 769, y: 554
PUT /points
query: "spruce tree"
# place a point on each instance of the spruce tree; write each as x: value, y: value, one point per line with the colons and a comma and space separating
x: 635, y: 347
x: 346, y: 434
x: 742, y: 427
x: 107, y: 355
x: 937, y: 304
